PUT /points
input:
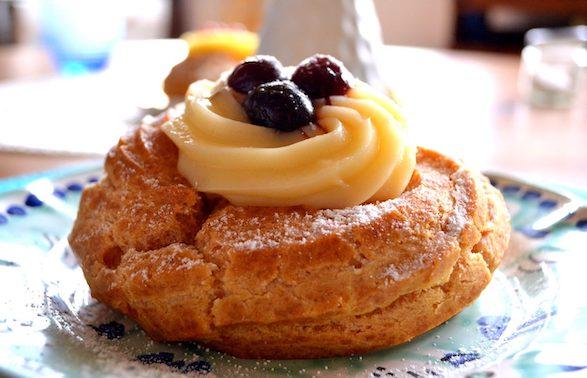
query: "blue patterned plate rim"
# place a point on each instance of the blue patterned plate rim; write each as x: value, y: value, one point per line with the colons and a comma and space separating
x: 574, y: 194
x: 19, y: 182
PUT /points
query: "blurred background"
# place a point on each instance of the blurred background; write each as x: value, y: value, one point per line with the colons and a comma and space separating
x: 475, y: 83
x: 487, y: 25
x: 494, y: 25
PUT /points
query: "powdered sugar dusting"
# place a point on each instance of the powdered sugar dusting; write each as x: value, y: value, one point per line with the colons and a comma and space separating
x: 171, y: 259
x: 354, y: 216
x: 76, y: 317
x: 458, y: 218
x: 293, y: 227
x: 396, y: 274
x: 405, y: 270
x: 152, y: 182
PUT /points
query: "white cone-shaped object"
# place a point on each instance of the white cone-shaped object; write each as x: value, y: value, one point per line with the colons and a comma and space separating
x: 347, y: 29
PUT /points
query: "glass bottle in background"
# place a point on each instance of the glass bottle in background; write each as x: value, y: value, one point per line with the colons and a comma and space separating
x: 346, y: 29
x: 293, y: 30
x: 553, y: 65
x: 80, y: 34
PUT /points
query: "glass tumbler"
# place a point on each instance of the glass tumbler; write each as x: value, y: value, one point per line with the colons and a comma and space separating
x: 552, y: 68
x: 80, y: 34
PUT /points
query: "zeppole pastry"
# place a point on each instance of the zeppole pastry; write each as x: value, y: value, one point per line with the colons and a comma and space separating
x: 285, y: 212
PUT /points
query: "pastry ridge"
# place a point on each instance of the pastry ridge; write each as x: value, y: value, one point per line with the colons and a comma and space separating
x: 261, y: 282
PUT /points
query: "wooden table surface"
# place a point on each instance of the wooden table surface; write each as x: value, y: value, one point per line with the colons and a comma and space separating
x: 463, y: 103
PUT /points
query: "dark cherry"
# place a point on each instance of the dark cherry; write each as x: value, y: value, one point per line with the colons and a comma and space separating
x: 322, y: 76
x: 279, y: 105
x: 253, y: 71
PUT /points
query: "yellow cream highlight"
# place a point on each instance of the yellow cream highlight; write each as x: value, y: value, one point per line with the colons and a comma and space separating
x: 364, y: 154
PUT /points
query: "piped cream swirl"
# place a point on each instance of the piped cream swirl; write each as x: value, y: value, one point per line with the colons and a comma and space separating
x: 363, y: 154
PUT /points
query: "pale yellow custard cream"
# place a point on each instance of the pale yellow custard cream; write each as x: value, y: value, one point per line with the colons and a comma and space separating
x: 359, y: 151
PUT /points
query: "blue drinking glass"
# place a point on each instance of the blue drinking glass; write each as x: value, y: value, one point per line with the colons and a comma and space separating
x: 81, y: 33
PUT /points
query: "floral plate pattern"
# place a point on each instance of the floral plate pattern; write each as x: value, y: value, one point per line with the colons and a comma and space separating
x: 530, y: 321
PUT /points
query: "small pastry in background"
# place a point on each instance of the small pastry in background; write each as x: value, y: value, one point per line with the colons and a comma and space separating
x: 211, y: 52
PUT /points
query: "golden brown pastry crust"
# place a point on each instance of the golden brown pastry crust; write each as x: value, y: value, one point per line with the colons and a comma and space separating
x: 285, y: 282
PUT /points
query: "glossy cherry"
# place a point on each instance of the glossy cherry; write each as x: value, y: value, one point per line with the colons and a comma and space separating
x: 321, y: 76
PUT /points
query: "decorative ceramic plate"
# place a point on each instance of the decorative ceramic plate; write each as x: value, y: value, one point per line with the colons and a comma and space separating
x: 530, y: 321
